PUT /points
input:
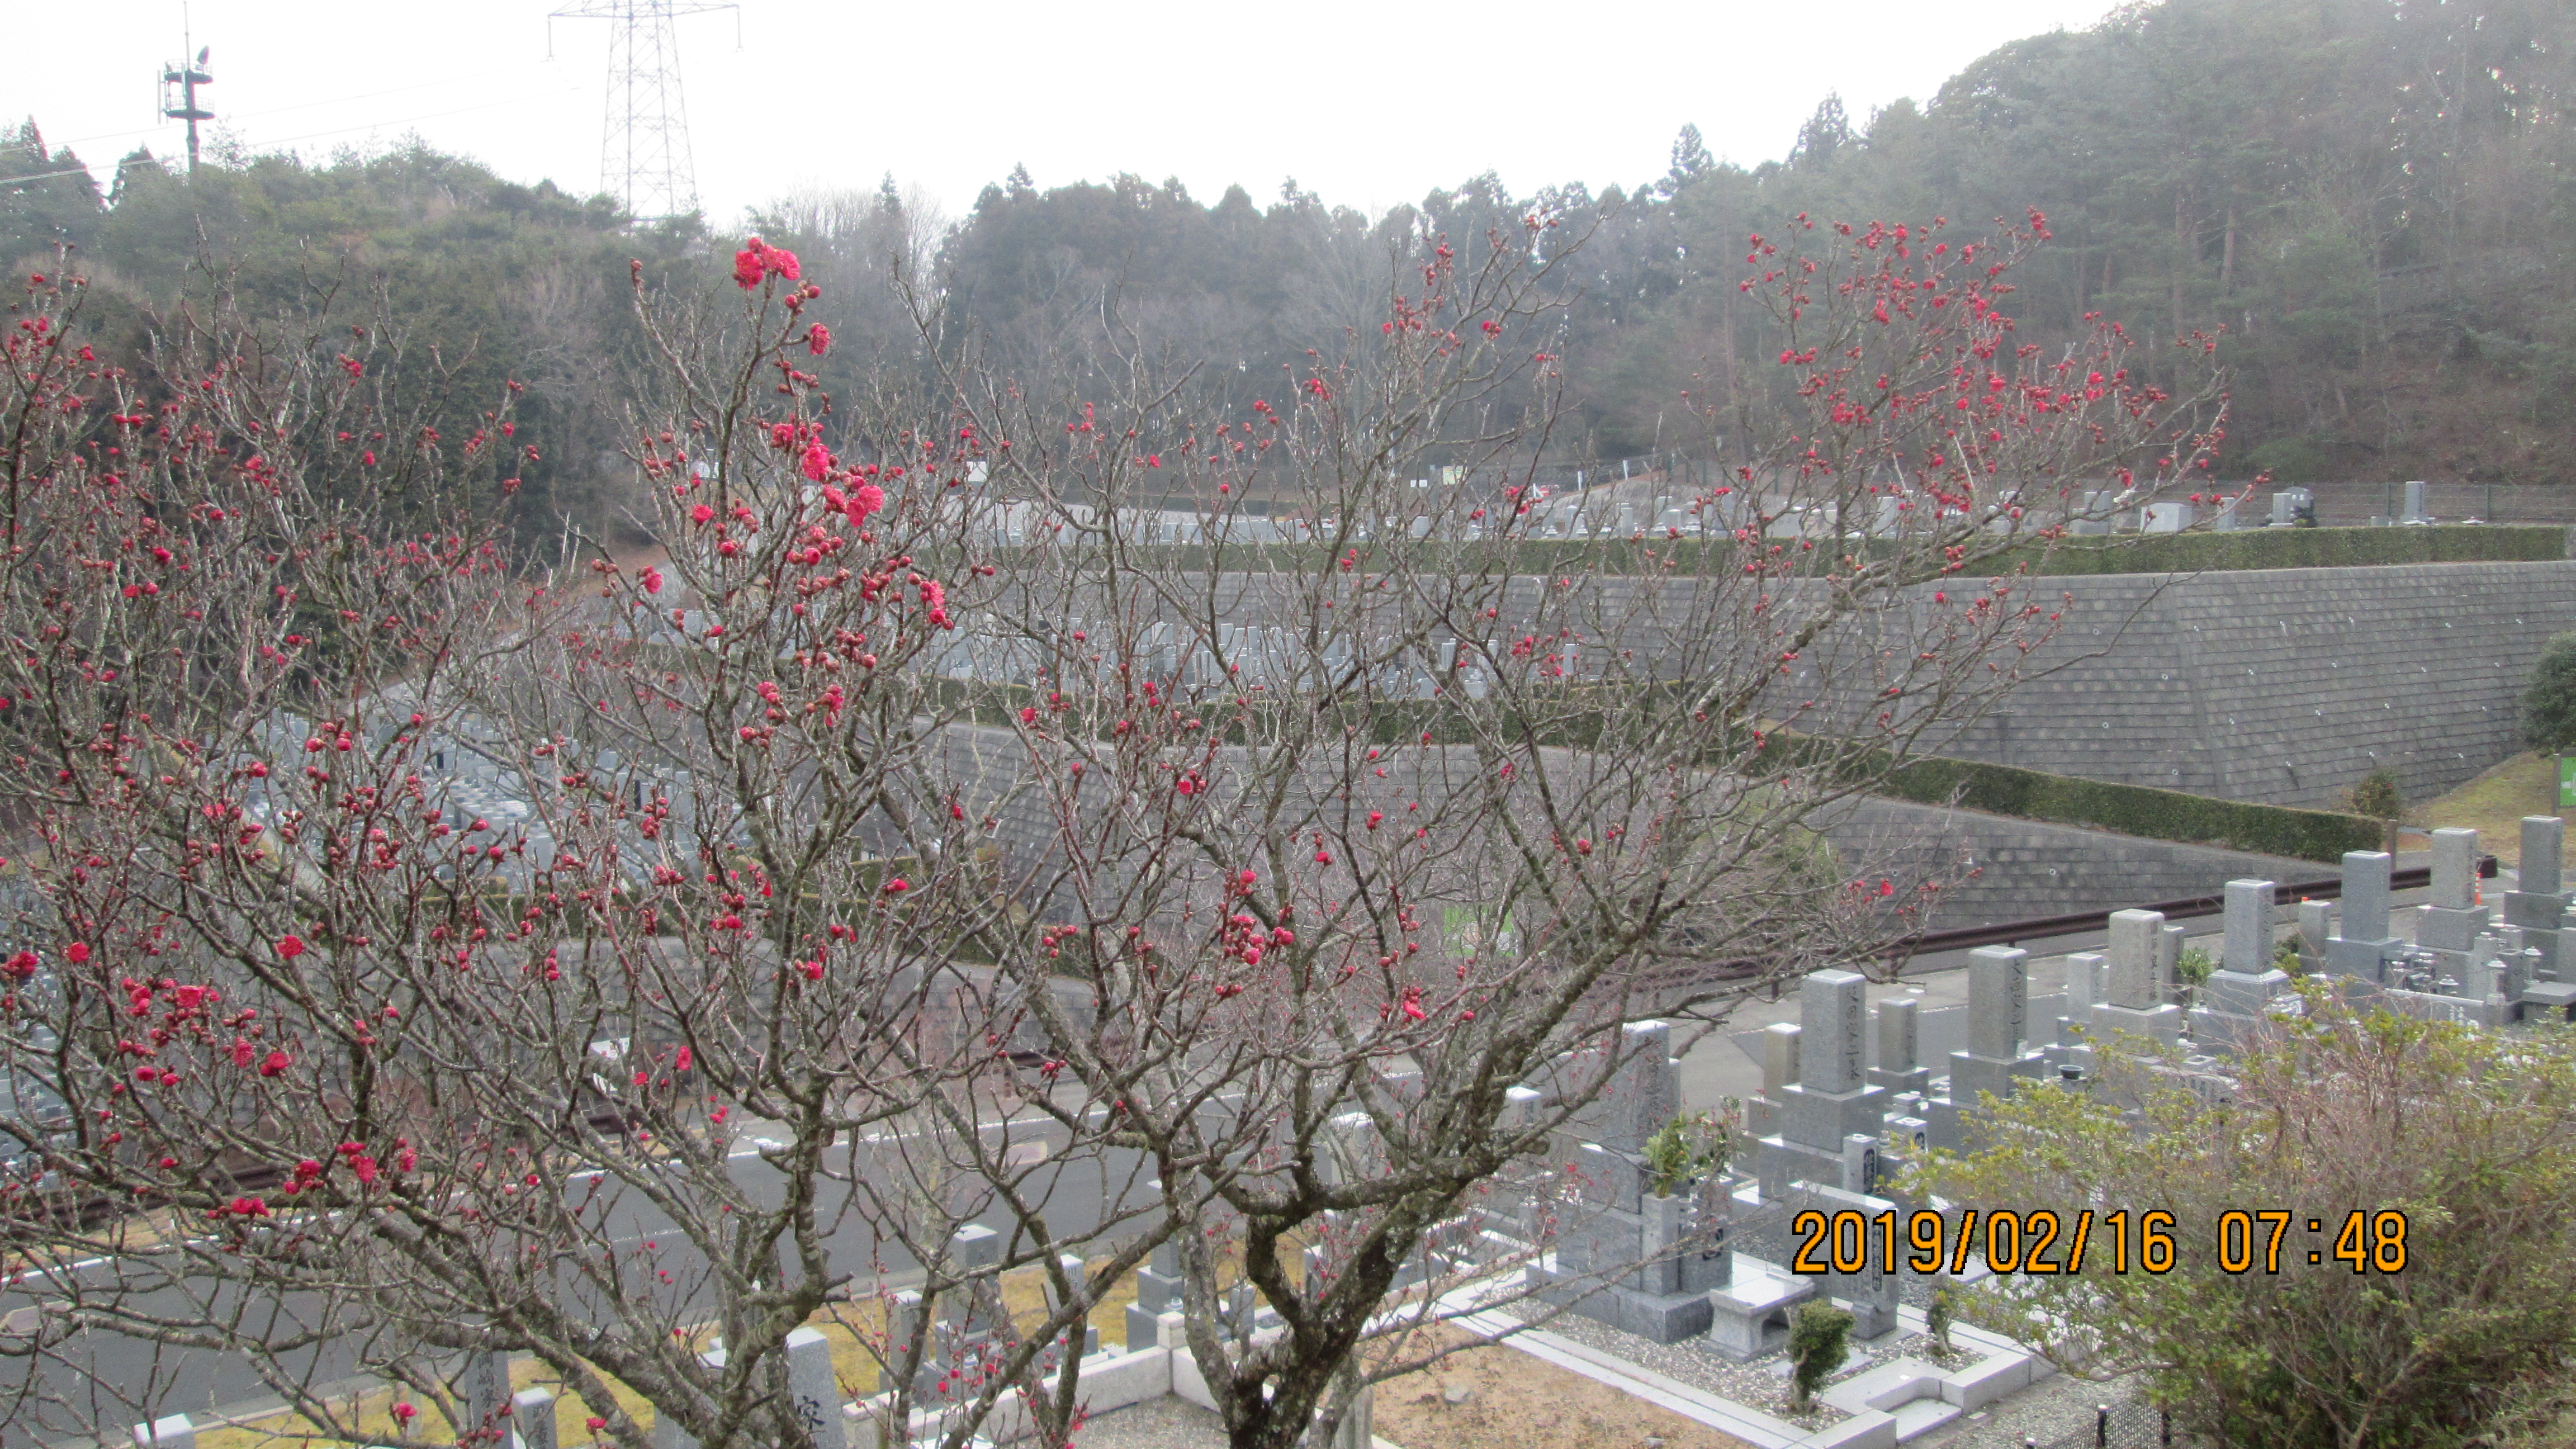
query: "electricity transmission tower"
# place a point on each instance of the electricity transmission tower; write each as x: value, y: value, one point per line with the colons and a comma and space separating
x: 644, y: 146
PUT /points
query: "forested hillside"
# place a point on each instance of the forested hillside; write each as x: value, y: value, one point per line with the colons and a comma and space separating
x: 2376, y: 202
x: 441, y: 278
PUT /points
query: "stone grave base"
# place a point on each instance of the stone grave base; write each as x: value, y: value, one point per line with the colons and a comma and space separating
x: 1662, y: 1318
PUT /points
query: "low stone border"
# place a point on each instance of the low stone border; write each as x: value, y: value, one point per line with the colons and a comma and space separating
x: 1889, y: 1404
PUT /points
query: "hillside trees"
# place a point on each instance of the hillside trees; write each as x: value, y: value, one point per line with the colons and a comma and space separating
x: 418, y: 952
x: 2370, y: 199
x: 493, y: 282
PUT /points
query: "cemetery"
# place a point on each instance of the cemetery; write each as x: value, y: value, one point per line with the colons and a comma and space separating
x: 1681, y: 1290
x: 1545, y: 794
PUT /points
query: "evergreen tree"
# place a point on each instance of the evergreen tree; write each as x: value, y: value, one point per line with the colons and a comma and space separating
x: 1691, y: 161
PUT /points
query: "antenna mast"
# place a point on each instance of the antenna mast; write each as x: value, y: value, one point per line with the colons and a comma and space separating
x: 644, y: 146
x: 179, y: 84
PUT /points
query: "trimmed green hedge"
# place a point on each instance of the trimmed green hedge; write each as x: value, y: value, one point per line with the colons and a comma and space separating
x: 2319, y: 835
x: 2140, y: 810
x: 2305, y: 548
x: 2252, y: 548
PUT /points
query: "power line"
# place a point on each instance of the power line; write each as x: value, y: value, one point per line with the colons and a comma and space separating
x: 310, y: 105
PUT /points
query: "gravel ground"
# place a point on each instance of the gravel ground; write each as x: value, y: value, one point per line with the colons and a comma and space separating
x: 1164, y: 1423
x: 2053, y: 1409
x: 1761, y: 1384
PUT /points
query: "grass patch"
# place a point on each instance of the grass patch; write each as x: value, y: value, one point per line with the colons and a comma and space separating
x: 854, y: 1329
x: 2494, y: 803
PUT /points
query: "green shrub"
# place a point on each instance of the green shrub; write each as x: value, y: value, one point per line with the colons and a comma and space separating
x: 2549, y: 705
x: 2377, y: 796
x: 2319, y: 835
x: 2304, y: 548
x: 2287, y: 960
x: 2248, y: 548
x: 2341, y: 1111
x: 1819, y: 1341
x: 1943, y: 1312
x: 2194, y: 966
x: 1684, y: 1149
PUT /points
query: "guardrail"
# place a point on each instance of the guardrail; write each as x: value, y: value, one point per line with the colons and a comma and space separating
x: 2083, y: 922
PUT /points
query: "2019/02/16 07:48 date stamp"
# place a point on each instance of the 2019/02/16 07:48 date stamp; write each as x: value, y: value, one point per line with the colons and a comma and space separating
x: 2046, y: 1241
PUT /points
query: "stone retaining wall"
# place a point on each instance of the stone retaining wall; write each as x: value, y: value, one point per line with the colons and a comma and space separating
x: 2284, y: 686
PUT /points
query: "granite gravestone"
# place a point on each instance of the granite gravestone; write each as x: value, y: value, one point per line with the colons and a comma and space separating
x: 1998, y: 1025
x: 2134, y: 983
x: 1899, y: 1069
x: 2236, y: 995
x: 1832, y: 1100
x: 2366, y: 945
x: 2454, y: 918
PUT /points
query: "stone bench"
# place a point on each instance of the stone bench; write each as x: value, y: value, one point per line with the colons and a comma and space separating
x: 1750, y: 1315
x: 2557, y: 996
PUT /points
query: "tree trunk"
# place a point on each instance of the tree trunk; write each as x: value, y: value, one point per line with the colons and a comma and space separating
x: 2227, y: 257
x: 2182, y: 256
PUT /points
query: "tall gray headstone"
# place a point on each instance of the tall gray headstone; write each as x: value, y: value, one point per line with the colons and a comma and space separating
x: 1998, y: 1024
x: 2540, y: 905
x: 2366, y: 943
x: 2084, y: 980
x: 1645, y: 1096
x: 1832, y: 1006
x: 1897, y: 1039
x: 2248, y: 948
x: 486, y: 1386
x: 2365, y: 895
x: 2084, y: 973
x: 813, y: 1391
x: 908, y: 1333
x: 2136, y: 937
x: 2133, y: 995
x: 2455, y: 868
x: 974, y: 1247
x: 1833, y: 1099
x: 2316, y: 924
x: 2544, y: 837
x: 1998, y: 1001
x: 1779, y: 1057
x: 1900, y: 1066
x: 2455, y: 917
x: 2235, y: 996
x: 1779, y: 1071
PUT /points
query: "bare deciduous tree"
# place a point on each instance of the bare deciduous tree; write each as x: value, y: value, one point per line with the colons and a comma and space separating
x: 981, y: 852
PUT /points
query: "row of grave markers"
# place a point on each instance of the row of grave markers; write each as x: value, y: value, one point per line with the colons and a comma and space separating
x: 1823, y: 1114
x: 1662, y: 1266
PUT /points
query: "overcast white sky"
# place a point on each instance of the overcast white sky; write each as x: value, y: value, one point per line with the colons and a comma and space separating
x: 1366, y: 102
